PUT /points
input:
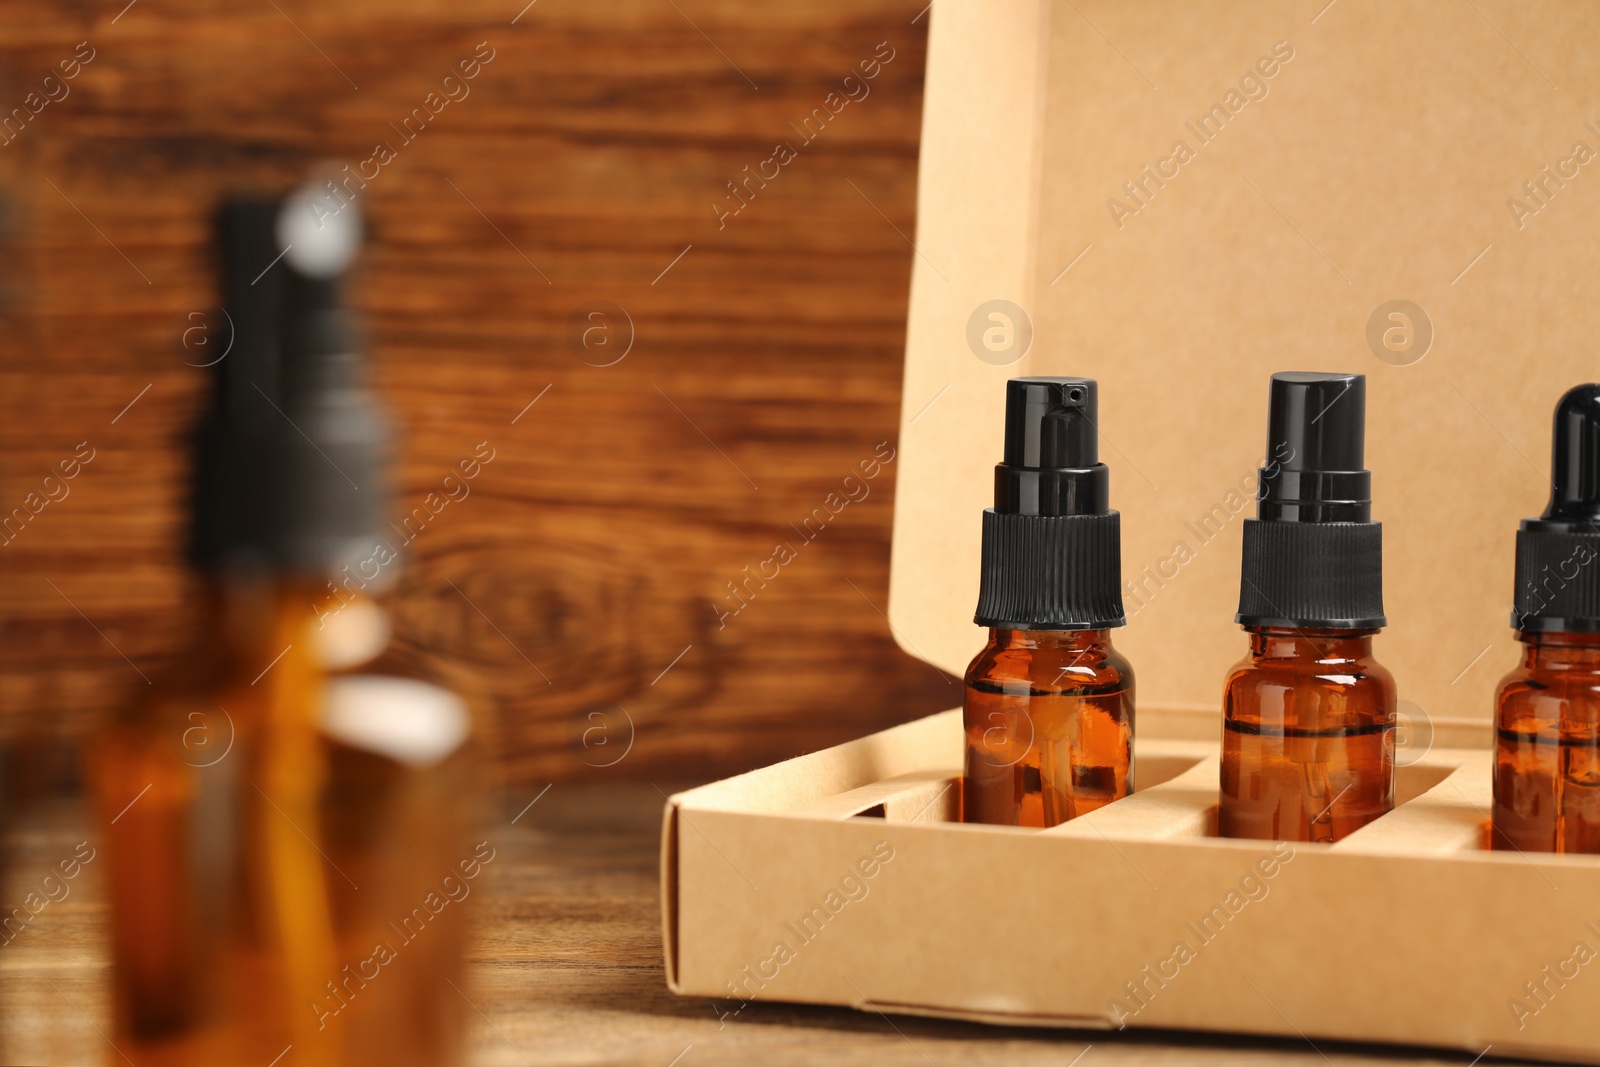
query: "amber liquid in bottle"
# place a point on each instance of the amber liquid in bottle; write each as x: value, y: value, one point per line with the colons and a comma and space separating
x: 1547, y: 748
x: 207, y: 787
x: 1049, y: 727
x: 400, y: 811
x: 299, y: 868
x: 1308, y: 737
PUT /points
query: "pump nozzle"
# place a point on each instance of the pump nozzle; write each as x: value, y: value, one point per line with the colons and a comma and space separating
x: 1316, y: 429
x: 1052, y: 454
x: 334, y: 435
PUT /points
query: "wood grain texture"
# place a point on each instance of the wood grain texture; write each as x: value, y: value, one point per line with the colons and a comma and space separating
x: 583, y: 165
x: 567, y: 971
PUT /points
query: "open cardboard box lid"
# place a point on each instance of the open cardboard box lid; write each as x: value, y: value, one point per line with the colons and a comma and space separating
x: 1383, y: 163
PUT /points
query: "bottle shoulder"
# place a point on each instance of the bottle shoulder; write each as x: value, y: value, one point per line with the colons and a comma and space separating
x: 1364, y: 670
x: 1358, y: 689
x: 1096, y: 665
x: 1533, y: 693
x: 203, y: 677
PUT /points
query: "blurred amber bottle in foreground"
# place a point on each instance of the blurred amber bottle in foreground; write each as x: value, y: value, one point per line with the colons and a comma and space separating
x: 1547, y: 710
x: 1309, y: 713
x: 204, y: 784
x: 1048, y: 703
x: 287, y: 810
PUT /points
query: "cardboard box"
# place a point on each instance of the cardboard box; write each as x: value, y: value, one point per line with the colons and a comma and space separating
x: 1337, y: 160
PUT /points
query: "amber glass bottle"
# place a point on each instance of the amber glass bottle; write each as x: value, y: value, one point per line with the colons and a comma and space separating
x: 1049, y: 719
x: 208, y: 781
x: 1307, y: 741
x: 289, y: 831
x: 1547, y: 755
x: 207, y: 785
x: 1309, y: 714
x: 1048, y: 708
x: 399, y: 811
x: 1547, y: 710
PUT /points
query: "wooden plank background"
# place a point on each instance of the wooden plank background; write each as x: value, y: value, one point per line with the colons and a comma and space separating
x: 586, y: 164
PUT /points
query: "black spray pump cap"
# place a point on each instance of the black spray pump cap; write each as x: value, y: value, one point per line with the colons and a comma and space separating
x: 1558, y: 573
x: 333, y: 439
x: 1313, y: 557
x: 1052, y: 450
x: 1315, y: 468
x: 229, y: 511
x: 1052, y: 546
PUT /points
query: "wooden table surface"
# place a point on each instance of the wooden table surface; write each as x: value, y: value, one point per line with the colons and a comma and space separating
x: 569, y: 970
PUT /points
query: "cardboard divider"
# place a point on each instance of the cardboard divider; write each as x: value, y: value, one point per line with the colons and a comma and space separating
x: 1451, y: 816
x: 1184, y: 806
x: 1159, y: 760
x: 934, y: 796
x: 1441, y: 800
x: 1441, y: 805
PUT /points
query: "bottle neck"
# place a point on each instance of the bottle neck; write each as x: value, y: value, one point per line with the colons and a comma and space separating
x: 1273, y: 642
x: 1560, y: 651
x: 243, y: 610
x: 1062, y: 640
